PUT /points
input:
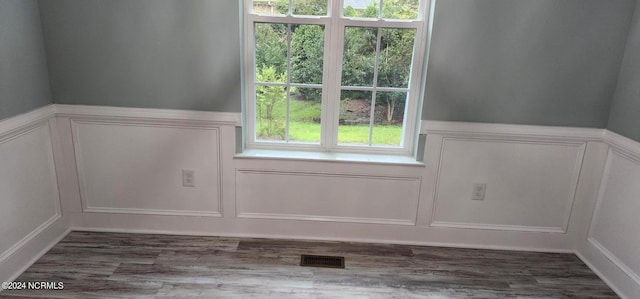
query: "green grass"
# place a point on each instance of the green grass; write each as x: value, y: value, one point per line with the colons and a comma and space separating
x: 310, y: 132
x: 299, y: 110
x: 384, y: 135
x: 302, y: 128
x: 304, y: 131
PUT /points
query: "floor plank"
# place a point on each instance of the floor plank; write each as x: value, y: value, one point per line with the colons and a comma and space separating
x: 112, y: 265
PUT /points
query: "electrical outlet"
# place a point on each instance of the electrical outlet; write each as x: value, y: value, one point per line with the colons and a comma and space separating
x: 478, y: 191
x: 188, y: 178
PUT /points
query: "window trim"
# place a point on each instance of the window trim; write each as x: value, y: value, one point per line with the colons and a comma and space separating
x: 331, y: 87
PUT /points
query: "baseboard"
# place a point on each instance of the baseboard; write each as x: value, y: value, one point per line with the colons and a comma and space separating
x: 18, y: 262
x: 613, y: 259
x: 19, y: 245
x: 311, y: 238
x: 601, y: 275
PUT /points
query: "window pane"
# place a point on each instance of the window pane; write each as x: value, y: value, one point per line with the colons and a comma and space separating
x: 355, y: 117
x: 309, y: 7
x: 361, y: 8
x: 396, y: 52
x: 359, y: 56
x: 271, y: 112
x: 271, y: 52
x: 374, y: 79
x: 304, y: 116
x: 400, y: 9
x: 270, y: 7
x: 307, y: 48
x: 389, y: 118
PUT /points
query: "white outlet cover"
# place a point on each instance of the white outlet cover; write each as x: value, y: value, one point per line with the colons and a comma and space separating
x: 188, y: 178
x: 478, y: 191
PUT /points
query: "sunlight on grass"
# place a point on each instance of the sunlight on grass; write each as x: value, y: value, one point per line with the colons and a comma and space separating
x: 382, y: 135
x: 359, y: 134
x: 303, y: 126
x: 299, y: 110
x: 304, y: 131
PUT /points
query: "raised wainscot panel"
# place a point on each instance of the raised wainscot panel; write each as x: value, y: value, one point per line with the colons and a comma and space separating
x: 138, y: 167
x: 530, y: 185
x: 615, y: 227
x: 29, y: 200
x: 327, y: 197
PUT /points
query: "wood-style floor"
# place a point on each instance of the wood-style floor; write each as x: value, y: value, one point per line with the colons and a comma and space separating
x: 109, y: 265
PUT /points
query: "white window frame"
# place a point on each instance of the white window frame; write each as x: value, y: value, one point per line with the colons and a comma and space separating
x: 334, y: 28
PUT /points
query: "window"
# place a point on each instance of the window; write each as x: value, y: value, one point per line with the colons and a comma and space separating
x: 334, y: 75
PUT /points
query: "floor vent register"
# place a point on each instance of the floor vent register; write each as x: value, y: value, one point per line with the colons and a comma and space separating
x: 322, y: 261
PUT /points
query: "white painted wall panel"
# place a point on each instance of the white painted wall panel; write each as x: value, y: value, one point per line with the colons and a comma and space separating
x: 28, y: 189
x: 137, y: 167
x: 530, y: 184
x: 615, y: 228
x: 327, y: 197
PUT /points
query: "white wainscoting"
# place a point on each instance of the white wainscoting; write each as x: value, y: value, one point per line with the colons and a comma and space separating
x: 129, y: 163
x: 119, y: 169
x: 531, y: 175
x: 30, y: 213
x: 127, y: 166
x: 613, y: 243
x: 338, y: 197
x: 530, y: 184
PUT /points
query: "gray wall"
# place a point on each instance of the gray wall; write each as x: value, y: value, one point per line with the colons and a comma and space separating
x: 625, y: 110
x: 145, y: 53
x: 24, y: 84
x: 544, y: 62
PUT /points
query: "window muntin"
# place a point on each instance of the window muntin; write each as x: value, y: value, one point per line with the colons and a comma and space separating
x: 294, y: 7
x: 378, y: 61
x: 288, y: 67
x: 353, y: 87
x: 391, y: 9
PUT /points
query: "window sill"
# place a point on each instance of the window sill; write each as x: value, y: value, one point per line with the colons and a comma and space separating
x: 329, y: 157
